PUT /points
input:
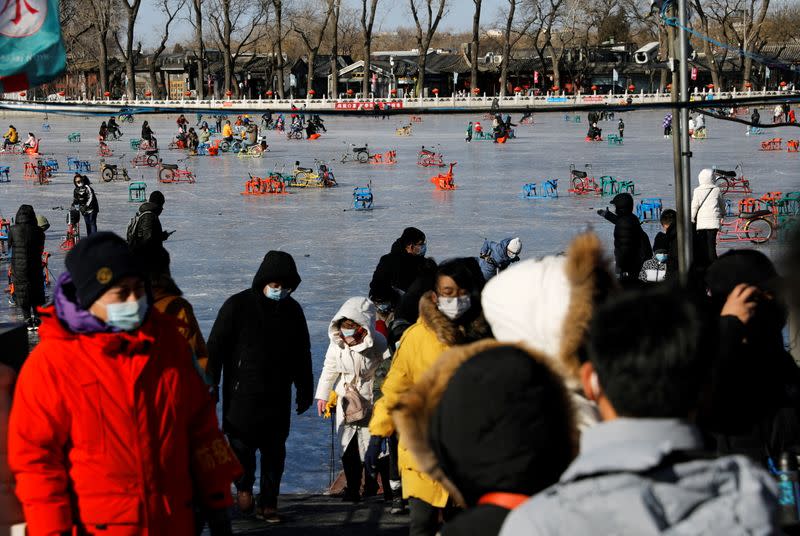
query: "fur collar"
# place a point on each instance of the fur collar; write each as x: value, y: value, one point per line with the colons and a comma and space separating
x: 448, y: 332
x: 413, y: 411
x: 590, y: 283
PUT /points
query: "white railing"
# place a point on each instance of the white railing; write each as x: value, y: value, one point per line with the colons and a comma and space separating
x: 310, y: 104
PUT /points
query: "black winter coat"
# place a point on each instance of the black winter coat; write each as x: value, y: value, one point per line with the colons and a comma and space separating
x: 263, y: 348
x: 395, y: 272
x: 631, y: 243
x: 85, y: 198
x: 149, y: 233
x: 27, y: 241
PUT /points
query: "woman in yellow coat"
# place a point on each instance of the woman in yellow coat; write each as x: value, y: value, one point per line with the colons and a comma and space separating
x: 449, y: 315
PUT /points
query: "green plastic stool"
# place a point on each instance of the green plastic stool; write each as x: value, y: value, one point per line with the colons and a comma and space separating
x: 608, y: 185
x: 137, y: 192
x: 626, y: 187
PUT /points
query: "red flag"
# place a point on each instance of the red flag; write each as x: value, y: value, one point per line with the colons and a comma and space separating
x: 535, y: 77
x: 694, y: 73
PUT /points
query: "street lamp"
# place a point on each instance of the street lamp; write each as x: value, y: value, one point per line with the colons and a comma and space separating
x: 391, y: 76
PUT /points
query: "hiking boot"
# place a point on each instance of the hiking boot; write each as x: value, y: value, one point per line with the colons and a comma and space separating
x: 245, y: 501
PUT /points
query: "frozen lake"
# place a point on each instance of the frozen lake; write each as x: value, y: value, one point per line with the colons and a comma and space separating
x: 222, y: 236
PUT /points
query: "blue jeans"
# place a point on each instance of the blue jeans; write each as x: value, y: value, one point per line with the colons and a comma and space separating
x: 90, y: 219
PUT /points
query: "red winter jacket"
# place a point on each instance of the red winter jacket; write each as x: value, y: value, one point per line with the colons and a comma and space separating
x: 110, y: 431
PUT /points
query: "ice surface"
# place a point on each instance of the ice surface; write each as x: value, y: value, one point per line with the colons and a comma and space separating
x: 222, y: 236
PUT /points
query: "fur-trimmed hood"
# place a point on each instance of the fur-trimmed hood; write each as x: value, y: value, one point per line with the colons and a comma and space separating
x: 489, y: 417
x: 470, y: 327
x: 548, y: 303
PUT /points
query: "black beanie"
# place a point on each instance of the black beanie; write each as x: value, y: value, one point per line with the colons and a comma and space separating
x: 157, y: 198
x: 96, y: 263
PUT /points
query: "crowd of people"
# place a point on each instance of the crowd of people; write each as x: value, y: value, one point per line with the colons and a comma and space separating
x: 484, y: 394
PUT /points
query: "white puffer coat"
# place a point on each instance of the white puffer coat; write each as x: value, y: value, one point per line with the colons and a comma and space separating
x: 344, y: 363
x: 707, y: 202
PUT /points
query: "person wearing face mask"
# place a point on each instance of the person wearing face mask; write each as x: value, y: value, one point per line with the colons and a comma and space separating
x: 754, y: 406
x: 449, y: 315
x: 497, y: 256
x: 399, y: 268
x: 260, y: 341
x: 84, y: 198
x: 655, y: 269
x: 355, y: 352
x: 111, y: 429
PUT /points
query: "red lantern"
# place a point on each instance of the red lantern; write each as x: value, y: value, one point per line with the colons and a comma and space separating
x: 21, y: 93
x: 228, y: 93
x: 594, y: 88
x: 748, y: 85
x: 710, y: 86
x: 783, y: 83
x: 476, y: 90
x: 107, y: 94
x: 517, y: 89
x: 311, y: 92
x: 349, y: 92
x: 393, y: 91
x: 526, y: 86
x: 148, y: 93
x: 269, y: 93
x: 187, y: 93
x: 62, y: 93
x: 554, y: 88
x: 435, y: 91
x: 631, y: 87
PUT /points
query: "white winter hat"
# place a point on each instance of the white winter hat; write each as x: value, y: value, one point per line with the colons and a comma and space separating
x: 705, y: 175
x: 547, y: 304
x: 514, y: 247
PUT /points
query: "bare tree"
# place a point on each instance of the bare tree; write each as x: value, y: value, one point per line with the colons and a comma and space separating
x: 131, y: 9
x: 312, y: 35
x: 367, y: 22
x: 511, y: 37
x: 101, y: 15
x: 547, y: 15
x: 425, y: 35
x: 199, y: 45
x: 170, y: 10
x: 333, y: 84
x: 473, y: 51
x: 277, y: 5
x: 234, y: 23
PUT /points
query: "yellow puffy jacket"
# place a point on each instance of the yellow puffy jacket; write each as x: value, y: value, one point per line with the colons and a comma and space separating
x: 11, y: 135
x: 227, y: 131
x: 420, y: 346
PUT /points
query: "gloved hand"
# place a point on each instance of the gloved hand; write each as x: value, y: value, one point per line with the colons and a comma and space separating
x: 373, y: 453
x: 602, y: 212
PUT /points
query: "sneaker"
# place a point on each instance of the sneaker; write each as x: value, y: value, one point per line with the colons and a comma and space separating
x: 268, y: 514
x: 245, y: 501
x: 399, y: 506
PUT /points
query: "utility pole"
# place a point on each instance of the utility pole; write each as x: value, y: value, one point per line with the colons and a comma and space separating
x: 684, y: 212
x: 681, y: 151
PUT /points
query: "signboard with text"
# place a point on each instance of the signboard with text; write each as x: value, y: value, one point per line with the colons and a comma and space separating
x: 359, y: 105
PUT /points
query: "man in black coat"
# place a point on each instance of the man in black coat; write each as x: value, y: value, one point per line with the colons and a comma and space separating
x: 26, y: 240
x: 145, y: 234
x: 631, y: 244
x: 401, y: 266
x: 260, y: 340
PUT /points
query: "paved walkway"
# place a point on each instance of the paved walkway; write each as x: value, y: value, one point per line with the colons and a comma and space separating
x: 318, y: 515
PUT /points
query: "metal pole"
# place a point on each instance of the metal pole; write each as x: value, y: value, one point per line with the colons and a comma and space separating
x: 677, y: 129
x: 685, y: 182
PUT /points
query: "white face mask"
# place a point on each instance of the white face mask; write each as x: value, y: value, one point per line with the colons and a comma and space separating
x: 127, y: 316
x: 453, y: 308
x: 347, y: 332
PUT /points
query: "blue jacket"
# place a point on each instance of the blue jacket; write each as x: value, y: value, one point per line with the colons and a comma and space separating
x: 494, y: 258
x: 623, y: 483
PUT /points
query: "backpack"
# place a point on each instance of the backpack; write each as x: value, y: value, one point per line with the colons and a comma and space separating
x: 131, y: 234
